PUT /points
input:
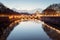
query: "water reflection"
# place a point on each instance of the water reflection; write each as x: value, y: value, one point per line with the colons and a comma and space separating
x: 28, y: 31
x: 54, y: 34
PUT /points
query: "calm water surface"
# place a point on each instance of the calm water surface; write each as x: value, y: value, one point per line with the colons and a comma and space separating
x: 28, y: 31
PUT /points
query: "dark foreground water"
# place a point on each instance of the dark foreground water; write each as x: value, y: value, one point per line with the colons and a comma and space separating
x: 28, y: 31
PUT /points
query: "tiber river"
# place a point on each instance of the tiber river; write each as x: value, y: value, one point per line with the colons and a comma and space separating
x: 28, y: 30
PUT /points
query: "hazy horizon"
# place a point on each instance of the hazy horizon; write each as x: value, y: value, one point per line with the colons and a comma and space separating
x: 28, y: 4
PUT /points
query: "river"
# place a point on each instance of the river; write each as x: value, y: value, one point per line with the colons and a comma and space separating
x: 28, y: 30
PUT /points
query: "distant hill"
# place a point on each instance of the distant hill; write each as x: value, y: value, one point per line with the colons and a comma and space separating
x: 27, y: 11
x: 34, y: 10
x: 6, y: 10
x: 53, y: 8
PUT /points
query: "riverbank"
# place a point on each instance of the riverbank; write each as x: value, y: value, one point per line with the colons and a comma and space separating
x: 6, y: 26
x: 52, y: 21
x: 53, y: 33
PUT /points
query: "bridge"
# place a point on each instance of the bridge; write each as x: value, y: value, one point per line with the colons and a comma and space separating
x: 8, y: 22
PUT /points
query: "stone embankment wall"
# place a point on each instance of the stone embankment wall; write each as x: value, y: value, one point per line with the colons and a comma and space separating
x: 53, y: 21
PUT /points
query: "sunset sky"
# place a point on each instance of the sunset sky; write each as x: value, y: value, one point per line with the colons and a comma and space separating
x: 28, y: 4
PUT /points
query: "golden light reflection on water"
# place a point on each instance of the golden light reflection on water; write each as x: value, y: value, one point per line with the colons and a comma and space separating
x: 58, y: 31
